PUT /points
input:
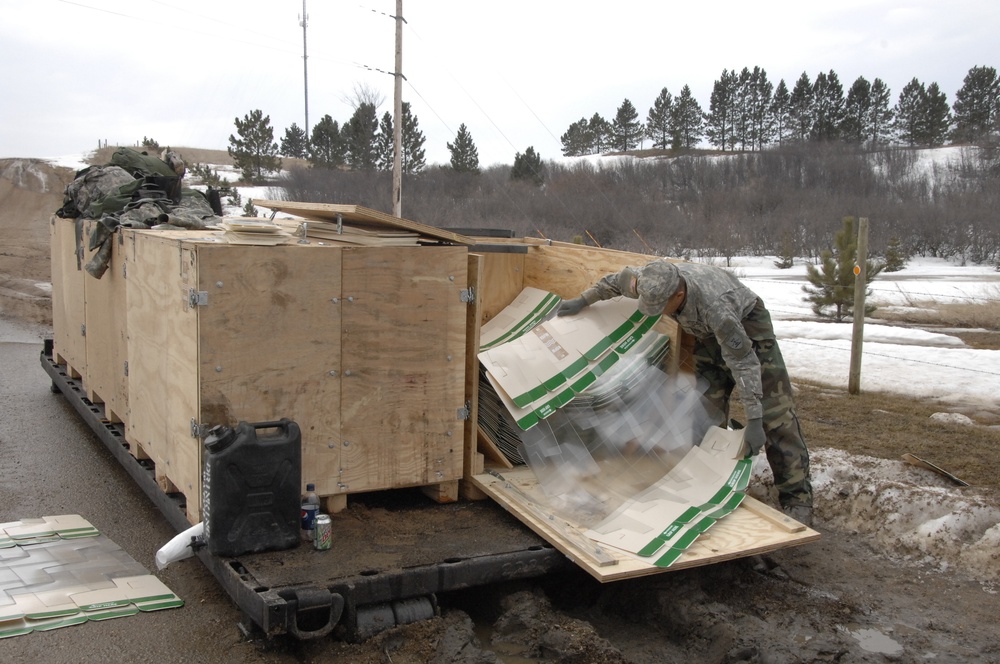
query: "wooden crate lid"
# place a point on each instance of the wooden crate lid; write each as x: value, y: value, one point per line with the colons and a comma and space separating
x: 359, y: 214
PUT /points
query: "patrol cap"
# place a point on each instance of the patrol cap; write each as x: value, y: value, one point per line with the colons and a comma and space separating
x: 656, y: 283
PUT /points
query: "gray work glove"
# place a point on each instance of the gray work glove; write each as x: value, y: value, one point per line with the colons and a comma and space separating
x: 571, y: 307
x: 753, y: 435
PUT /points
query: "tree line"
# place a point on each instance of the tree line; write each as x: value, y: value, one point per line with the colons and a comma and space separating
x: 747, y: 112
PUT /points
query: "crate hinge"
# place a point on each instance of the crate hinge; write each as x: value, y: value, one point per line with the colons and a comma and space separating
x: 199, y: 430
x: 465, y: 412
x: 197, y: 298
x: 467, y: 295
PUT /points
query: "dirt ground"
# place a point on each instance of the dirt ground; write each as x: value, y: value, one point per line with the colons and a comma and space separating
x: 872, y: 589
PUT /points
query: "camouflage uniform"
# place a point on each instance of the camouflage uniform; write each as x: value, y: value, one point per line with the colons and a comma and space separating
x: 734, y: 346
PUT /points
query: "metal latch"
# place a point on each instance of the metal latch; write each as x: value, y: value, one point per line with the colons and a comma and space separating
x: 198, y: 430
x: 465, y: 412
x: 197, y: 298
x: 467, y: 295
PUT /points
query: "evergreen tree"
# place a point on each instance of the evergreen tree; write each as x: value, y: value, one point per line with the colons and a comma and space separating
x: 977, y: 105
x: 383, y: 144
x: 528, y: 167
x: 908, y: 112
x: 360, y: 134
x: 254, y: 152
x: 828, y: 106
x: 741, y: 112
x: 577, y: 140
x: 658, y: 120
x: 294, y: 143
x: 414, y: 156
x: 880, y: 115
x: 686, y: 120
x: 895, y: 256
x: 857, y: 110
x: 464, y: 155
x: 719, y: 121
x: 759, y: 94
x: 832, y: 285
x: 801, y: 108
x: 936, y: 117
x: 626, y: 130
x: 781, y: 112
x: 326, y: 147
x: 600, y: 134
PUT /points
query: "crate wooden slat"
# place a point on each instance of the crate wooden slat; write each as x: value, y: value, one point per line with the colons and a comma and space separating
x: 69, y: 317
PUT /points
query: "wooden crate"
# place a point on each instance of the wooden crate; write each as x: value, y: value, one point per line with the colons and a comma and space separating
x: 69, y: 312
x: 363, y: 347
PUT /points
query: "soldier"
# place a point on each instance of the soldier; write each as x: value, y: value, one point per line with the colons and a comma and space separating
x: 734, y: 345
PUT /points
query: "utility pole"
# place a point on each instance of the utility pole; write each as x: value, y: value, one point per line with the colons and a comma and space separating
x: 860, y: 285
x: 397, y: 125
x: 304, y: 22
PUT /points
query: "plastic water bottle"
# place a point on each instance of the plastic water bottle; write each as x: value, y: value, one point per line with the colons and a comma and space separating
x: 310, y: 508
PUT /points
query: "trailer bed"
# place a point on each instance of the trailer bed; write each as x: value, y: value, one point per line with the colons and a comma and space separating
x: 393, y: 551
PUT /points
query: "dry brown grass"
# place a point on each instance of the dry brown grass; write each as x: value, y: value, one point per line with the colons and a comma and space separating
x: 190, y: 155
x: 888, y: 425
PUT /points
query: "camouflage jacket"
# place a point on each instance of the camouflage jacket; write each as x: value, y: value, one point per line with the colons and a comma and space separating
x: 715, y: 306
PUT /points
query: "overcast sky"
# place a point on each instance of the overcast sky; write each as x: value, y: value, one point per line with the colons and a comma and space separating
x: 517, y: 73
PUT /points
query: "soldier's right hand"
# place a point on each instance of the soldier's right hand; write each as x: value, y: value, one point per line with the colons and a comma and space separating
x: 571, y: 307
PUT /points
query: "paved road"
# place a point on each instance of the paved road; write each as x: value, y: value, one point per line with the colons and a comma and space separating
x: 51, y: 463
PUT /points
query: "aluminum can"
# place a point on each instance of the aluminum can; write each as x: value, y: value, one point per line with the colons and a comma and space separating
x: 323, y: 538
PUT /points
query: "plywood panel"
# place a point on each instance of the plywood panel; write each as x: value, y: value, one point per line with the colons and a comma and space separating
x: 270, y: 344
x: 503, y: 279
x: 568, y: 269
x: 68, y: 303
x: 404, y: 345
x: 163, y: 359
x: 753, y: 528
x: 106, y: 332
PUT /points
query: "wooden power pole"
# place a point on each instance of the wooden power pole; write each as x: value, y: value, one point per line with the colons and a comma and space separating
x: 397, y: 125
x: 860, y: 286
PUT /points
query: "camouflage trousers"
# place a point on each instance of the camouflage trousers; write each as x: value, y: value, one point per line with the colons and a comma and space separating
x: 785, y: 447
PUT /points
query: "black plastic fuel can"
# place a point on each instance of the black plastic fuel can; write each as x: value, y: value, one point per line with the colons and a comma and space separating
x: 251, y: 486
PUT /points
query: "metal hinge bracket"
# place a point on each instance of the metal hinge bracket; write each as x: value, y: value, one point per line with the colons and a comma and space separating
x: 197, y: 298
x: 467, y: 295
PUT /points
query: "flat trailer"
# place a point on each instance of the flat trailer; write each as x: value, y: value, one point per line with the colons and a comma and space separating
x: 379, y: 571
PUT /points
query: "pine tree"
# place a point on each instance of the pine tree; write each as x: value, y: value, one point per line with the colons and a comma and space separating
x: 326, y: 147
x: 828, y: 106
x: 857, y: 110
x: 908, y: 112
x: 977, y: 105
x: 600, y: 133
x: 464, y: 155
x: 936, y: 117
x: 895, y: 256
x: 360, y: 134
x: 801, y: 108
x: 687, y: 120
x: 658, y: 120
x: 577, y: 141
x: 294, y: 143
x: 762, y: 126
x: 528, y: 167
x: 626, y: 130
x: 786, y: 253
x: 414, y: 156
x: 719, y: 121
x: 833, y: 283
x: 383, y: 144
x: 780, y: 110
x: 880, y: 115
x: 254, y: 152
